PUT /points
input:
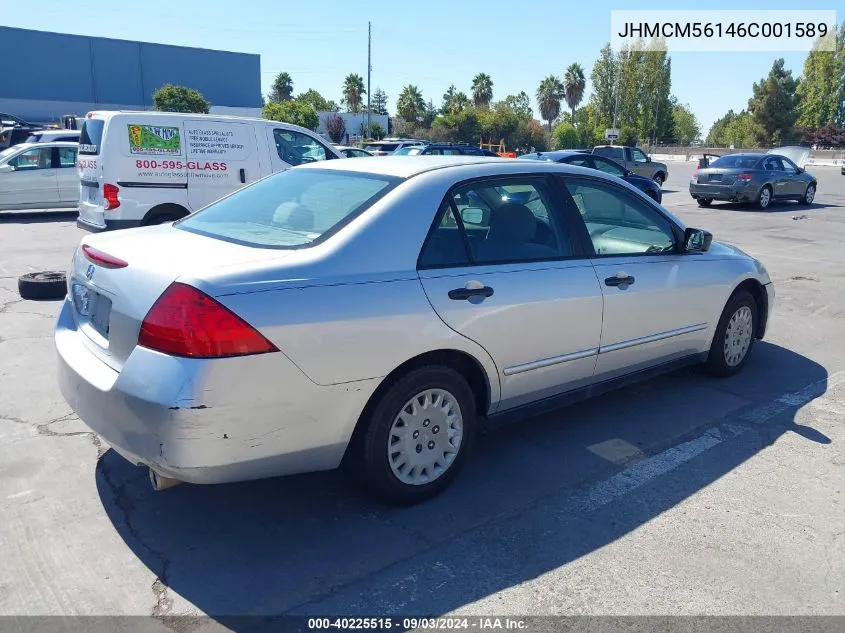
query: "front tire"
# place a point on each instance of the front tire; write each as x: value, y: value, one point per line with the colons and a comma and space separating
x: 659, y: 179
x: 764, y: 198
x: 809, y: 194
x: 734, y: 336
x: 419, y: 435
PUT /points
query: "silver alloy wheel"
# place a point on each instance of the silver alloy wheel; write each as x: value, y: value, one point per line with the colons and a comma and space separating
x: 738, y: 335
x: 659, y: 180
x: 425, y: 437
x: 765, y: 198
x: 811, y: 193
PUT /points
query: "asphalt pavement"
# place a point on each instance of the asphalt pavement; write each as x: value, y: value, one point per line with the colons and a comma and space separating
x: 685, y: 495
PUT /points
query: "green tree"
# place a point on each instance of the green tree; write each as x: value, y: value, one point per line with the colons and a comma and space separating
x: 498, y: 123
x: 316, y: 100
x: 294, y: 111
x: 378, y: 101
x: 448, y: 98
x: 282, y: 88
x: 171, y: 98
x: 821, y: 91
x: 521, y: 105
x: 410, y: 106
x: 565, y: 136
x: 734, y: 129
x: 685, y: 124
x: 529, y: 134
x: 655, y: 120
x: 772, y: 105
x: 573, y: 86
x: 603, y: 80
x: 353, y: 92
x: 549, y: 95
x: 482, y: 90
x: 429, y: 114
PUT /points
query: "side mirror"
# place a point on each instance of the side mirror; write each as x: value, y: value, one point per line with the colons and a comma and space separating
x: 697, y: 241
x: 800, y: 170
x: 472, y: 215
x: 5, y: 169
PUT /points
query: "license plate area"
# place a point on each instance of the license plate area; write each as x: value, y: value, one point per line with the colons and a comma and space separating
x: 93, y: 310
x: 715, y: 178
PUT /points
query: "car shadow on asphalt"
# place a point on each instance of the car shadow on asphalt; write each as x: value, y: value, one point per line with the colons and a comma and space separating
x: 776, y: 207
x: 536, y: 496
x: 37, y: 217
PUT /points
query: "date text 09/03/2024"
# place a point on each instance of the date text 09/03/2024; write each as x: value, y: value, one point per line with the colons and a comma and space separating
x: 446, y: 623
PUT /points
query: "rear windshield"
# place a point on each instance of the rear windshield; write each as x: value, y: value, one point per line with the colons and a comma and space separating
x: 292, y: 209
x: 610, y: 152
x: 91, y: 136
x: 384, y: 147
x: 408, y: 150
x: 33, y: 138
x: 743, y: 162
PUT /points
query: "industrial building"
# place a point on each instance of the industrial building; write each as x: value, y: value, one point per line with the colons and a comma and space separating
x: 53, y: 74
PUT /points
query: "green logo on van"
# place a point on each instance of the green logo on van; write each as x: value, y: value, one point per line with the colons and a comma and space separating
x: 154, y: 139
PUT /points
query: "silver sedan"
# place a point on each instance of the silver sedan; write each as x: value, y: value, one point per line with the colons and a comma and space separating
x: 379, y: 314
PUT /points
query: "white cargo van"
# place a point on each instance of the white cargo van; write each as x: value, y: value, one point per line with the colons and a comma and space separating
x: 141, y: 168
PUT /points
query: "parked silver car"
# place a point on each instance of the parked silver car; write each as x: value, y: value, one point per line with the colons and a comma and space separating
x: 39, y: 176
x: 380, y: 313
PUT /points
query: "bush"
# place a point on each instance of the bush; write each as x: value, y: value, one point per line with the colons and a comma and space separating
x: 564, y: 136
x: 336, y: 128
x: 296, y: 112
x: 170, y: 98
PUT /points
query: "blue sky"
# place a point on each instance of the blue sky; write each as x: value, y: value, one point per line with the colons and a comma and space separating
x: 431, y: 44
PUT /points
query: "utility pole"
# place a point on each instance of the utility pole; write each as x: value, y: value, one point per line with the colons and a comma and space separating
x: 369, y: 70
x: 618, y: 90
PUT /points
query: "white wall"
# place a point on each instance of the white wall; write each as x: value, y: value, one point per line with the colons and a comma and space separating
x: 354, y: 121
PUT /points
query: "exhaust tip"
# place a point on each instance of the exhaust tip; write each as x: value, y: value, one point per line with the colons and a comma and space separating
x: 160, y: 482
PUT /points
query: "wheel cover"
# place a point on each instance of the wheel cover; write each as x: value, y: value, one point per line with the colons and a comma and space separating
x: 811, y: 193
x: 425, y: 437
x: 658, y: 180
x: 738, y: 335
x: 765, y: 198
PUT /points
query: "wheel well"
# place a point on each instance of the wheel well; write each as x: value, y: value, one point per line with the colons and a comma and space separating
x: 164, y: 209
x: 461, y: 362
x: 756, y: 290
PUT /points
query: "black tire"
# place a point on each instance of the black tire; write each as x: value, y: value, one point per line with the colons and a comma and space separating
x: 372, y: 454
x: 764, y: 202
x: 809, y: 194
x: 43, y: 285
x: 705, y: 202
x: 162, y: 218
x: 717, y: 363
x: 659, y: 178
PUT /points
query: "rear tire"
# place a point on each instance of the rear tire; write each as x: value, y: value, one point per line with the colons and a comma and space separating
x: 705, y: 202
x: 43, y: 285
x: 764, y: 198
x: 734, y: 336
x: 404, y: 431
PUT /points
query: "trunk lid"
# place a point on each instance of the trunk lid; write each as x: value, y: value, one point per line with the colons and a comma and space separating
x: 110, y: 303
x: 717, y: 176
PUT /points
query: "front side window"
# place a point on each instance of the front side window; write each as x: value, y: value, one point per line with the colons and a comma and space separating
x: 40, y: 158
x: 296, y: 148
x: 291, y: 209
x: 609, y: 167
x: 618, y: 223
x: 501, y: 221
x: 639, y: 157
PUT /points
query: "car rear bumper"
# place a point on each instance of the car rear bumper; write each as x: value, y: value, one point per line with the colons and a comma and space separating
x: 108, y: 225
x: 208, y: 421
x: 731, y: 193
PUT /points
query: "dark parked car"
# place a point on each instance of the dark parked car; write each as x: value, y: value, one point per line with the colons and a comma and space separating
x: 582, y: 159
x: 752, y: 178
x: 443, y: 149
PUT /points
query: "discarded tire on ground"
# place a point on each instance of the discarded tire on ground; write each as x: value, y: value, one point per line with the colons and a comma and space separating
x: 43, y: 285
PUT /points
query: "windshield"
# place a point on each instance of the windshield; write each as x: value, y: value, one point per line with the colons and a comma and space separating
x: 91, y: 136
x: 32, y: 138
x: 408, y: 150
x: 737, y: 160
x: 381, y: 147
x: 292, y: 209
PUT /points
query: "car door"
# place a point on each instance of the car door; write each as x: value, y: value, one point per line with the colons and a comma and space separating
x: 776, y: 174
x: 520, y: 287
x: 31, y: 182
x: 66, y: 175
x: 638, y: 162
x: 220, y: 157
x: 796, y: 184
x: 658, y: 303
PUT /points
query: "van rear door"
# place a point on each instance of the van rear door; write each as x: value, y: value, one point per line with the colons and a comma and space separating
x: 221, y: 157
x: 89, y: 168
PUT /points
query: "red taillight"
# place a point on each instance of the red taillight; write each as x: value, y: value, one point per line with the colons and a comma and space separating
x: 185, y: 321
x: 110, y: 197
x: 103, y: 259
x: 745, y: 177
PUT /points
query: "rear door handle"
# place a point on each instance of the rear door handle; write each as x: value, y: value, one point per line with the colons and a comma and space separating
x: 243, y: 175
x: 620, y: 279
x: 463, y: 294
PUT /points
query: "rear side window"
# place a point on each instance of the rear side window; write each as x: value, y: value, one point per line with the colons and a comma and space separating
x: 610, y: 152
x: 292, y: 209
x: 91, y: 136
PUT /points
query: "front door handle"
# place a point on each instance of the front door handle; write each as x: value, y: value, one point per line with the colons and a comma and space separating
x: 464, y: 294
x: 619, y: 279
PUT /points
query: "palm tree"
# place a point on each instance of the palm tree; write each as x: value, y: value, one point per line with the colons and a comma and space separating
x: 353, y: 91
x: 459, y: 102
x: 410, y: 105
x: 482, y: 90
x: 549, y: 95
x: 573, y: 87
x: 282, y: 88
